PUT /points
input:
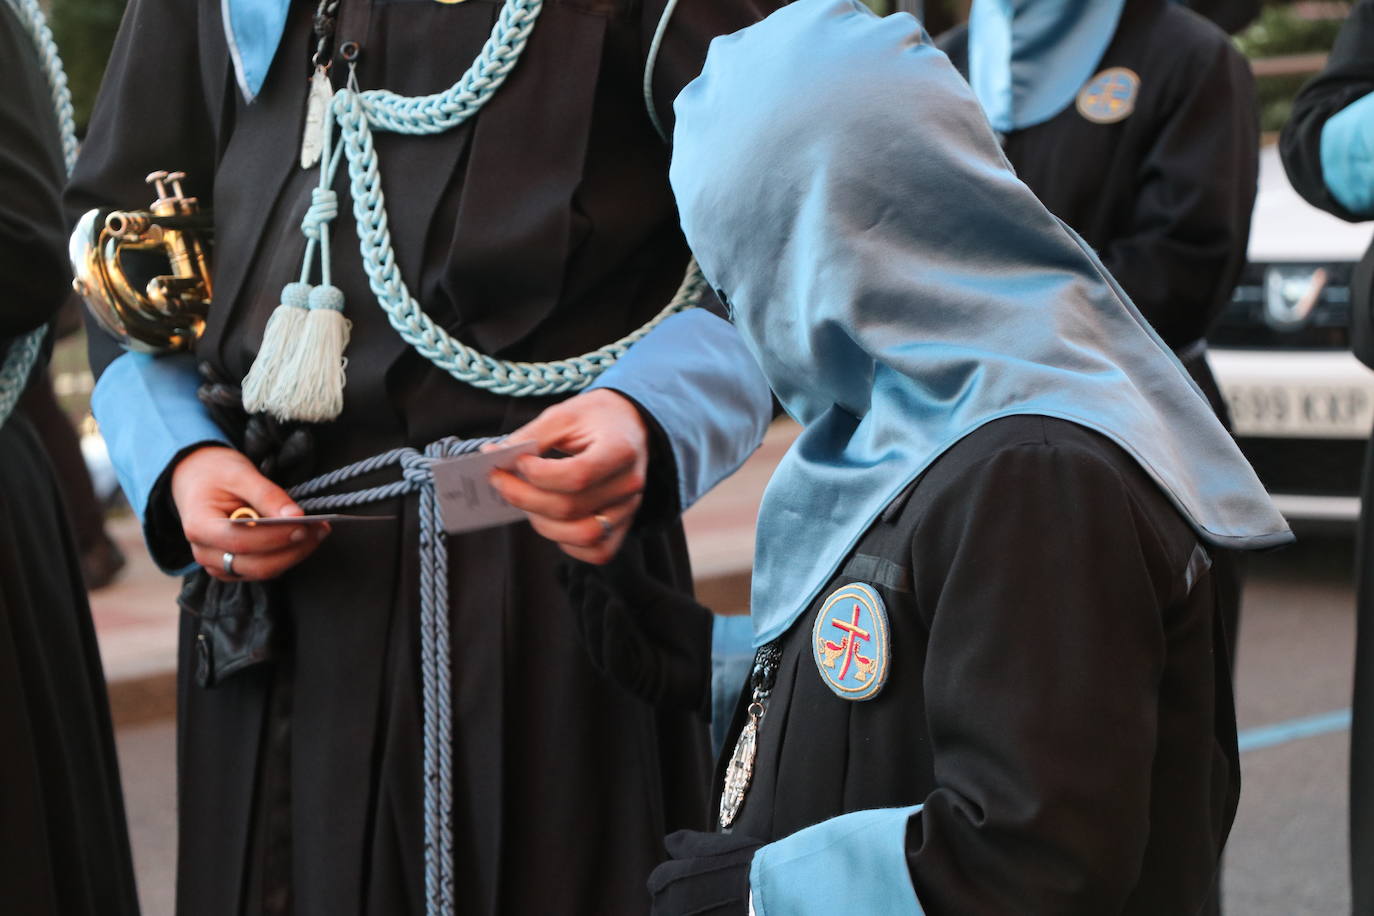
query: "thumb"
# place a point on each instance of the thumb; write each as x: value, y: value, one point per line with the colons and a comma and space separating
x: 546, y: 431
x: 265, y: 497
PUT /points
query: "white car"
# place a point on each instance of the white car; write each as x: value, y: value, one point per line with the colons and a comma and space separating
x: 1302, y: 406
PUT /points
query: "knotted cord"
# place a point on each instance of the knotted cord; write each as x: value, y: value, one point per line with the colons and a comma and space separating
x: 23, y: 352
x: 417, y: 476
x: 357, y: 114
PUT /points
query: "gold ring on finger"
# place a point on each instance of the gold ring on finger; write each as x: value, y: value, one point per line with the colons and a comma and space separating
x: 245, y: 512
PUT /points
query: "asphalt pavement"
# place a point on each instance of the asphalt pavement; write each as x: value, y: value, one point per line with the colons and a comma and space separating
x: 1287, y: 854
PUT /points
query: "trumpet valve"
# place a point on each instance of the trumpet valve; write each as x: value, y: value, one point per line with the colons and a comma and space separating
x: 156, y: 179
x: 176, y: 178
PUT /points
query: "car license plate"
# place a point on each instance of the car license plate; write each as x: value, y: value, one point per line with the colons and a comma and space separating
x: 1318, y: 411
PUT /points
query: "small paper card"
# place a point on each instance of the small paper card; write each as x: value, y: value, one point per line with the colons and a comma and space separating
x: 467, y: 501
x: 330, y: 518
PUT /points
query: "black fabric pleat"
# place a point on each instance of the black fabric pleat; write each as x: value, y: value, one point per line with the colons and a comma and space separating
x: 64, y: 850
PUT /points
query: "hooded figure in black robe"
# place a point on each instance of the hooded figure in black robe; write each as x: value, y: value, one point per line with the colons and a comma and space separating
x: 1325, y: 148
x: 64, y: 850
x: 540, y: 228
x: 1135, y: 122
x: 990, y: 675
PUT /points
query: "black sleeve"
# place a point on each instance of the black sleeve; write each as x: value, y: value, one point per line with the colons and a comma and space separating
x: 1231, y: 15
x: 660, y: 506
x: 33, y: 247
x: 1349, y: 75
x: 151, y: 113
x: 1185, y: 242
x: 682, y: 50
x: 1044, y: 587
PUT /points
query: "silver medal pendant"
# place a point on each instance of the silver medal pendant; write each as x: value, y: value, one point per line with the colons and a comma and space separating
x: 317, y: 103
x: 740, y: 772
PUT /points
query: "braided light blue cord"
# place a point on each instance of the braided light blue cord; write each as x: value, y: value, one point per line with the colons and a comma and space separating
x: 356, y: 115
x: 23, y: 353
x: 417, y: 475
x: 650, y: 61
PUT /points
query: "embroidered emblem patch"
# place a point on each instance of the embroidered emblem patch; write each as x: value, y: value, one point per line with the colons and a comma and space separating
x: 1110, y: 96
x: 851, y: 643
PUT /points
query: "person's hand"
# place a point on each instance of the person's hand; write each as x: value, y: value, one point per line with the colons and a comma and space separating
x: 209, y: 484
x: 586, y: 502
x: 705, y: 873
x: 641, y: 633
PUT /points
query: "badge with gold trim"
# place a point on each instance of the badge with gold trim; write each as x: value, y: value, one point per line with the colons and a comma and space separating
x: 1110, y: 96
x: 851, y: 642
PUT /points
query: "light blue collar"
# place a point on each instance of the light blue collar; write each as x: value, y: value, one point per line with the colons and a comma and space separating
x: 1028, y: 59
x: 253, y: 29
x: 900, y: 288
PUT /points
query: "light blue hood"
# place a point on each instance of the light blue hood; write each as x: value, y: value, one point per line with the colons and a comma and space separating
x: 1028, y: 59
x: 900, y: 288
x: 253, y: 29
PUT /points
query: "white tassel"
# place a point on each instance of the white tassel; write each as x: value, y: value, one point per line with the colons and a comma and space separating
x: 310, y: 386
x: 279, y: 340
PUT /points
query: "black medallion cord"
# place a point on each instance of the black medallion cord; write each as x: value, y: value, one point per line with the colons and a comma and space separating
x: 764, y: 672
x: 325, y: 21
x: 238, y: 627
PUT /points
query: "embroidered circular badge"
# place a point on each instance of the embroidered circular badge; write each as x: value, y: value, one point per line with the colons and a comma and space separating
x: 1110, y: 96
x: 850, y: 642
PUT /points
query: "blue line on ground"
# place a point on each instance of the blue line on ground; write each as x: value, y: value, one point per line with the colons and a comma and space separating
x: 1253, y: 739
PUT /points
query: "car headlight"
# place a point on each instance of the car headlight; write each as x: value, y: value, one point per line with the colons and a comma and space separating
x: 1290, y: 294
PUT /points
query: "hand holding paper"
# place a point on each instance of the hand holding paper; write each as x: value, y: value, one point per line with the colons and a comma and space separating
x: 584, y: 502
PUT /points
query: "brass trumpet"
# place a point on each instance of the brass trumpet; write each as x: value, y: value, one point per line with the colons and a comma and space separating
x: 168, y: 313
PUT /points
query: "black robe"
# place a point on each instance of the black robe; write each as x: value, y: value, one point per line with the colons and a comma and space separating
x: 1164, y: 196
x: 1349, y: 76
x: 1057, y: 697
x: 543, y: 227
x: 64, y: 850
x: 1231, y: 15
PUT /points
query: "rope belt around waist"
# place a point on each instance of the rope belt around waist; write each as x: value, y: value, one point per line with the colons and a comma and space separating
x: 417, y: 476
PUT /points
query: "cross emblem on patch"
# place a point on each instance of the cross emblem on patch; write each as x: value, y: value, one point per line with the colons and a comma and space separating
x: 850, y: 641
x: 848, y: 647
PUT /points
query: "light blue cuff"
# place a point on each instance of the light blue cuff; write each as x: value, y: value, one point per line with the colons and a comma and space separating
x: 1348, y: 156
x: 148, y: 412
x: 693, y: 374
x: 854, y: 863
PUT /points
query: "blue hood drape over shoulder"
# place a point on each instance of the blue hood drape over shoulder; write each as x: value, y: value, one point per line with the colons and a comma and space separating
x: 253, y: 29
x: 901, y: 288
x: 1028, y: 59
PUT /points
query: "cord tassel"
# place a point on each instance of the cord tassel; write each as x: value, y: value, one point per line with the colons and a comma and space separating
x: 311, y: 383
x: 279, y: 339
